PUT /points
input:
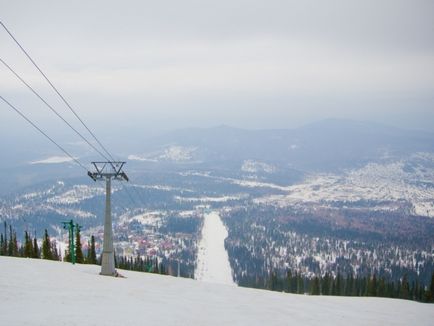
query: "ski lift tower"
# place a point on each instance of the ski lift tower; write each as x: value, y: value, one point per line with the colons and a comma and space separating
x: 108, y: 171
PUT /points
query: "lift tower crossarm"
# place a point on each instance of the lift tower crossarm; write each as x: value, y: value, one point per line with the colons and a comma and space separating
x: 111, y: 169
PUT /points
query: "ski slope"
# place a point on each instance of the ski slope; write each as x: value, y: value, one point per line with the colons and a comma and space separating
x: 212, y: 258
x: 40, y: 292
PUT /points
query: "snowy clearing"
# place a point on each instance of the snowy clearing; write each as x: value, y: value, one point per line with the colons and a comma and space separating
x: 39, y: 292
x: 212, y: 258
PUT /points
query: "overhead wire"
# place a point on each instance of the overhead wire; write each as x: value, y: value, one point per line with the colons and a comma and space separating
x: 55, y: 89
x: 68, y: 105
x: 43, y: 133
x: 129, y: 195
x: 47, y: 136
x: 51, y: 107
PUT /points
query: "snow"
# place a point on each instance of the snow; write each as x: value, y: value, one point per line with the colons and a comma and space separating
x: 206, y: 199
x: 53, y: 160
x: 39, y: 292
x: 178, y: 153
x: 171, y: 153
x: 151, y: 218
x: 212, y: 258
x: 140, y: 158
x: 252, y: 166
x: 77, y: 194
x: 387, y: 182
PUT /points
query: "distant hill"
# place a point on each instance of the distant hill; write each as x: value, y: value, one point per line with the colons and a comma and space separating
x: 325, y: 146
x: 328, y: 145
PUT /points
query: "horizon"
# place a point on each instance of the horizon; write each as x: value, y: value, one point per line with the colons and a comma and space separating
x: 277, y: 66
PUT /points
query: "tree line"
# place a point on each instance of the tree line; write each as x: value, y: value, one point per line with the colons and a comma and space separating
x: 29, y: 248
x: 140, y: 264
x: 340, y: 285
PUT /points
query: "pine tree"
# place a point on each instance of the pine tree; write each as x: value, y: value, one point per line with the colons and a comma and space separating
x: 87, y: 258
x: 294, y: 283
x: 364, y: 286
x: 405, y: 288
x: 36, y: 253
x: 273, y: 280
x: 5, y: 241
x: 21, y: 251
x: 430, y: 293
x: 382, y: 288
x: 288, y: 283
x: 412, y: 289
x: 79, y: 259
x: 333, y: 287
x: 1, y: 245
x: 300, y: 284
x: 46, y: 247
x: 325, y: 288
x: 372, y: 286
x: 356, y: 287
x: 420, y: 293
x: 349, y: 285
x: 28, y: 245
x: 315, y: 286
x: 67, y: 256
x: 10, y: 245
x: 92, y: 250
x: 339, y: 284
x: 13, y: 243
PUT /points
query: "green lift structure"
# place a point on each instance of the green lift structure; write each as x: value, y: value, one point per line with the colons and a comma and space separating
x: 70, y: 226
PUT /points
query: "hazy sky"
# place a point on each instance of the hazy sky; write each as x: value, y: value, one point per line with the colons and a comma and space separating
x: 251, y: 64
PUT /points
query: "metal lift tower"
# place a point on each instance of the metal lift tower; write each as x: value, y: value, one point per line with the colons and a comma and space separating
x: 108, y: 171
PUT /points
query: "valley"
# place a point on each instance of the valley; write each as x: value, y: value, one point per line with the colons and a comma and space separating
x: 375, y: 217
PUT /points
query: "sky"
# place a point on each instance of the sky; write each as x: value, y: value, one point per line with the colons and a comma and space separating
x: 146, y: 66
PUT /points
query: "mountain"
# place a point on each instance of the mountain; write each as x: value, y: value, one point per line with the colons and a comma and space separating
x: 328, y: 145
x: 325, y: 146
x: 55, y: 293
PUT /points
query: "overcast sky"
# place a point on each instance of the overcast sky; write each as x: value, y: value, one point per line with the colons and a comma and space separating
x: 251, y: 64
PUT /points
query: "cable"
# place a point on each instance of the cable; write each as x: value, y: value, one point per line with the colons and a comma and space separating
x: 66, y: 103
x: 42, y: 132
x: 51, y: 108
x: 131, y: 198
x: 138, y: 195
x: 57, y: 92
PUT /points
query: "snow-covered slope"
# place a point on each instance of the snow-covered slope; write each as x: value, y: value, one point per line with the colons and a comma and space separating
x: 410, y: 180
x: 212, y: 259
x: 38, y: 292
